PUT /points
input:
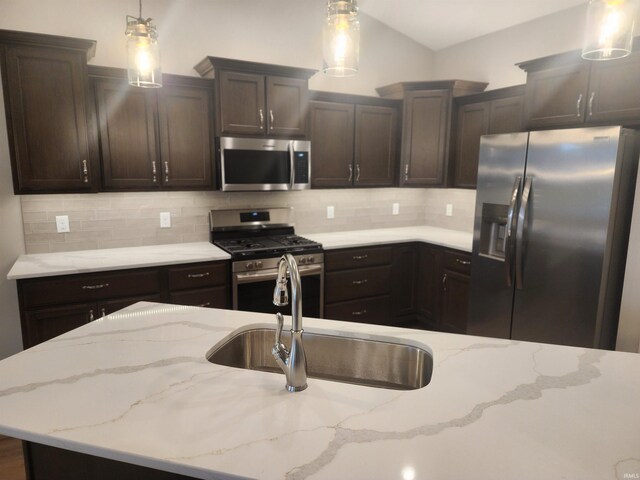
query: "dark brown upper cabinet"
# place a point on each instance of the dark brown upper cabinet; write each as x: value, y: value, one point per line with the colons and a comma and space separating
x: 353, y: 140
x: 153, y: 138
x: 258, y: 99
x: 426, y: 128
x: 44, y: 78
x: 565, y: 90
x: 495, y: 111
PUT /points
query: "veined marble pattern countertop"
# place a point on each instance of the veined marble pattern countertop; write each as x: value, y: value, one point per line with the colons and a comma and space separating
x: 360, y: 238
x: 86, y: 261
x: 136, y: 387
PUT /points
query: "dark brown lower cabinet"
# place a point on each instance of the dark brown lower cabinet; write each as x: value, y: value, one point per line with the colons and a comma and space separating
x: 43, y: 462
x: 414, y: 285
x: 55, y: 305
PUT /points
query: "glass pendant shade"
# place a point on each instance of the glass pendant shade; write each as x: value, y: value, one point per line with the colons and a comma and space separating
x: 609, y: 30
x: 341, y: 39
x: 143, y: 54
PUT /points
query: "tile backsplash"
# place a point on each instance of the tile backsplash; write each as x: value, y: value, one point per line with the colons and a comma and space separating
x: 108, y: 220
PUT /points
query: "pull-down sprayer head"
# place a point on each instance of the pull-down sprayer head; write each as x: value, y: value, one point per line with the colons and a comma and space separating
x: 281, y: 293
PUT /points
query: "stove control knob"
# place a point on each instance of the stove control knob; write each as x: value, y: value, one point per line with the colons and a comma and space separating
x: 250, y: 266
x: 258, y: 264
x: 302, y: 261
x: 310, y: 259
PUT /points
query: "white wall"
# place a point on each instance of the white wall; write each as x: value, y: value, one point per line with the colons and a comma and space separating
x: 11, y: 246
x: 270, y: 31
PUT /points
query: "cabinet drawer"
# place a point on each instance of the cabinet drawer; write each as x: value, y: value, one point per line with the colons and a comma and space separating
x: 357, y: 257
x: 86, y: 288
x: 45, y: 324
x: 198, y: 276
x: 372, y: 310
x: 107, y: 308
x: 217, y: 297
x: 457, y: 261
x: 358, y: 283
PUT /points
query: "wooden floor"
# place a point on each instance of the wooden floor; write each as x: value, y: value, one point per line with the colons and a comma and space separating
x: 11, y: 463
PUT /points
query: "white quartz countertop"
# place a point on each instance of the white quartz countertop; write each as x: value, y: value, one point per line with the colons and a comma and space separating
x: 86, y: 261
x: 360, y: 238
x: 136, y: 387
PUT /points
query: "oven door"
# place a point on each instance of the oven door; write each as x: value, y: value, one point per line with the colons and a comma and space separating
x: 253, y: 291
x: 254, y: 164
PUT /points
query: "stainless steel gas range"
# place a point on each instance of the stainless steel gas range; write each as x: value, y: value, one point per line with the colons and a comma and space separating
x: 256, y: 239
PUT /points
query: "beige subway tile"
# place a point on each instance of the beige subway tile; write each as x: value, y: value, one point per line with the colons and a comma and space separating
x: 38, y: 248
x: 164, y: 240
x: 85, y: 236
x: 33, y: 217
x: 74, y: 215
x: 119, y: 243
x: 86, y: 203
x: 134, y: 232
x: 40, y: 204
x: 44, y: 238
x: 73, y: 246
x: 195, y: 237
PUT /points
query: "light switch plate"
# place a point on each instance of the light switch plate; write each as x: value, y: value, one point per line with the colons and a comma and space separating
x: 165, y: 219
x: 62, y: 223
x: 331, y: 212
x: 395, y: 209
x: 449, y: 210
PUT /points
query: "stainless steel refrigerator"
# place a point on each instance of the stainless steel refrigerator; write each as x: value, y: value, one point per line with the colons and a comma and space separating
x: 552, y: 219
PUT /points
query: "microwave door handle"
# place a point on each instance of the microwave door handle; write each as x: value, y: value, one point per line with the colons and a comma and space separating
x: 292, y: 164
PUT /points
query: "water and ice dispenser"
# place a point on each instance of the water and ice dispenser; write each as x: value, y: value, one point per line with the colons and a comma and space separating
x: 493, y: 231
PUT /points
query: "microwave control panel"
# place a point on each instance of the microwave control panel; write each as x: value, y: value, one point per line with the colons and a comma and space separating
x: 301, y: 166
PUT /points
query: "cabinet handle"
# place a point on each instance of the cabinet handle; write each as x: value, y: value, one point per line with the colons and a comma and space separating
x: 205, y: 304
x: 261, y: 115
x: 271, y: 117
x: 166, y: 171
x: 154, y: 171
x: 350, y: 172
x: 198, y: 275
x: 103, y: 312
x: 578, y: 103
x: 360, y: 257
x: 444, y: 282
x: 91, y: 317
x: 85, y: 171
x: 463, y: 262
x: 95, y: 287
x: 357, y: 172
x: 406, y: 172
x: 593, y: 95
x: 360, y: 282
x: 359, y: 313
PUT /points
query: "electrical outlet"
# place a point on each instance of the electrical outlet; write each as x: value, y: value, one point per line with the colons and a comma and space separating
x: 395, y: 209
x: 165, y: 220
x: 331, y: 212
x: 62, y: 223
x: 449, y: 210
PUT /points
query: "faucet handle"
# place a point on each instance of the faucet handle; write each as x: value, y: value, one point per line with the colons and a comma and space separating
x: 280, y: 320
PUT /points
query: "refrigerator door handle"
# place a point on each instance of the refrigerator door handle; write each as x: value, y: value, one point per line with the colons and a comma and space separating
x: 521, y: 231
x: 508, y: 248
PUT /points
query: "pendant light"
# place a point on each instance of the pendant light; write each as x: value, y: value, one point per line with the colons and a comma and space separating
x: 341, y: 38
x: 143, y: 53
x: 609, y: 29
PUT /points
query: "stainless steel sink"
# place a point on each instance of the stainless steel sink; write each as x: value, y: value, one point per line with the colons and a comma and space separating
x: 383, y: 362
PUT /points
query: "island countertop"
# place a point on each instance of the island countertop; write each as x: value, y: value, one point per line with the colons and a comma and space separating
x: 136, y: 387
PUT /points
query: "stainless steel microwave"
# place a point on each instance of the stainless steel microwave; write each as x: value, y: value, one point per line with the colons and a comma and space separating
x: 258, y: 164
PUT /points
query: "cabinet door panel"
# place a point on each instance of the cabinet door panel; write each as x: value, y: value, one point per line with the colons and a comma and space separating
x: 404, y: 271
x: 287, y: 103
x: 42, y: 325
x: 332, y: 131
x: 217, y: 297
x: 46, y: 97
x: 455, y: 302
x: 371, y: 310
x: 473, y: 122
x: 112, y: 306
x: 375, y: 145
x: 425, y: 137
x: 613, y: 95
x: 506, y: 115
x: 358, y: 283
x: 428, y: 293
x: 557, y: 96
x: 185, y: 119
x: 126, y: 118
x: 242, y: 103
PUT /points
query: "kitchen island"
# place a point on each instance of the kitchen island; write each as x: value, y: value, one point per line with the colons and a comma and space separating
x: 136, y: 387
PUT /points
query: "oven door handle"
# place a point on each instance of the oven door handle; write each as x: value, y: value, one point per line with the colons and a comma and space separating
x: 292, y: 162
x: 253, y: 277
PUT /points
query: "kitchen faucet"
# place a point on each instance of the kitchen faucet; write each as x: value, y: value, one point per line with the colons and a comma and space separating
x: 294, y: 363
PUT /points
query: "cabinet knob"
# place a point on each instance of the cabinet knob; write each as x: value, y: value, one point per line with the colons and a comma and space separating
x: 85, y: 171
x: 406, y: 172
x: 271, y: 117
x: 350, y: 172
x: 166, y: 171
x: 359, y: 313
x: 593, y: 95
x: 444, y: 282
x: 261, y: 115
x: 357, y: 172
x: 91, y: 316
x: 103, y: 312
x: 154, y: 171
x: 578, y: 104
